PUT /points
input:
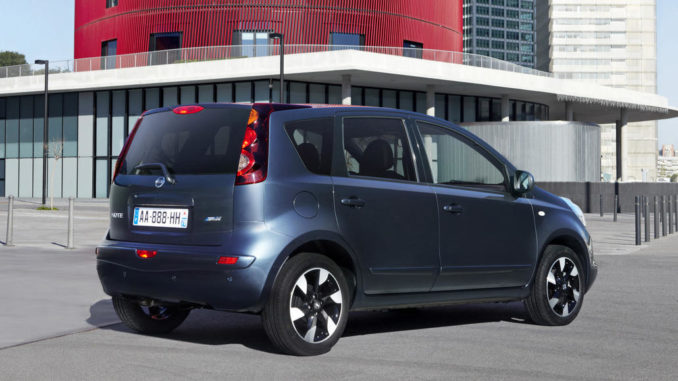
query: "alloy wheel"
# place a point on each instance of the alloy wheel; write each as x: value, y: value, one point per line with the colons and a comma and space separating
x: 563, y: 286
x: 316, y: 305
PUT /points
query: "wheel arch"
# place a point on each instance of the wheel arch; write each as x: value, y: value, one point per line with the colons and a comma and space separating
x: 328, y: 244
x: 574, y: 243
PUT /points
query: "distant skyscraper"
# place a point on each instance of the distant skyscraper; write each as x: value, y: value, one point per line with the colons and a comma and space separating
x: 503, y: 29
x: 613, y: 43
x: 668, y: 150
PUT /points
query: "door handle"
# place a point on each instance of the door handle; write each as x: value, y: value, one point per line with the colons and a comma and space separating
x: 353, y: 202
x: 453, y: 208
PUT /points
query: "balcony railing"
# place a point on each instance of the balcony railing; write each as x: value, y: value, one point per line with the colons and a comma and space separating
x: 212, y: 53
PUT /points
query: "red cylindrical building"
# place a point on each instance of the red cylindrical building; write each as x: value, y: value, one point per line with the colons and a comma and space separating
x: 141, y: 25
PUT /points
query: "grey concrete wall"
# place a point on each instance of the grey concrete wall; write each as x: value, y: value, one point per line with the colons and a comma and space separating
x: 587, y: 194
x: 551, y: 151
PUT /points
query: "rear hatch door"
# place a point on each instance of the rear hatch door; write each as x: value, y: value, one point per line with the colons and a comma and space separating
x: 176, y: 180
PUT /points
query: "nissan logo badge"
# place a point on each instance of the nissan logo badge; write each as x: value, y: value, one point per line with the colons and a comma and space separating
x: 159, y: 182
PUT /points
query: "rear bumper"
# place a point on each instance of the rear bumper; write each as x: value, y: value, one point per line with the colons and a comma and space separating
x: 184, y: 274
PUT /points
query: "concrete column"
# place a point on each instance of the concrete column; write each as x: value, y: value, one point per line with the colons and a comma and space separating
x: 505, y: 109
x: 430, y: 100
x: 621, y: 123
x: 569, y: 111
x: 346, y: 89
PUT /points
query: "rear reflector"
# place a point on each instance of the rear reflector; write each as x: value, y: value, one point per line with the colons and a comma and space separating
x: 145, y: 254
x: 227, y: 260
x: 183, y: 110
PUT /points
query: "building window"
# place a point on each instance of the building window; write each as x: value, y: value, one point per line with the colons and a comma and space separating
x: 497, y: 12
x: 497, y: 33
x: 482, y: 32
x: 482, y: 10
x: 111, y: 3
x: 498, y: 45
x: 511, y: 24
x: 498, y: 23
x: 482, y: 21
x: 512, y: 36
x: 167, y: 47
x: 482, y: 43
x: 527, y: 4
x: 108, y: 51
x: 251, y: 43
x: 512, y: 3
x: 512, y: 57
x: 412, y: 49
x: 512, y: 14
x: 497, y: 55
x: 346, y: 40
x: 512, y: 46
x: 498, y: 2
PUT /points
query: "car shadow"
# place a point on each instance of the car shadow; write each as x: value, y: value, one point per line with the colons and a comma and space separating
x: 223, y: 328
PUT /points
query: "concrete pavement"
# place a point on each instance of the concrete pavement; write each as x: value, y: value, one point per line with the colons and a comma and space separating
x: 626, y: 329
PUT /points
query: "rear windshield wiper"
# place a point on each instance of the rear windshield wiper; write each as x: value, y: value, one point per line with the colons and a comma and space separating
x: 163, y: 168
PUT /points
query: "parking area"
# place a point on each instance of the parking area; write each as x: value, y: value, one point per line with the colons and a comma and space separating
x: 58, y: 324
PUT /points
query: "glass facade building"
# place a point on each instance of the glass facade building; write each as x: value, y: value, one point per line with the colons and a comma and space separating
x: 503, y: 29
x: 88, y: 129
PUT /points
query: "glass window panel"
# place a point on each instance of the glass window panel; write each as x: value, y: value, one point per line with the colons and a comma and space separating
x: 372, y: 97
x: 169, y: 96
x: 483, y: 109
x: 316, y: 93
x: 225, y: 92
x: 243, y: 92
x: 205, y: 93
x: 85, y: 124
x: 12, y: 127
x: 334, y: 95
x: 440, y: 106
x: 12, y: 175
x: 356, y: 95
x: 102, y: 123
x: 389, y: 98
x: 262, y: 45
x: 55, y: 136
x: 261, y: 91
x: 84, y: 177
x: 454, y: 162
x: 26, y: 127
x: 134, y: 107
x: 313, y: 141
x: 54, y: 176
x: 275, y: 92
x: 26, y: 177
x: 37, y: 177
x: 297, y: 92
x: 469, y: 109
x: 405, y: 101
x: 421, y: 103
x: 152, y: 98
x: 529, y: 112
x: 70, y: 170
x: 118, y: 122
x: 187, y: 95
x: 2, y: 138
x: 496, y: 110
x: 71, y: 124
x: 454, y: 108
x: 101, y: 179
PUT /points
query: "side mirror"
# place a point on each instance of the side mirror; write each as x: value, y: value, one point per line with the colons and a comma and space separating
x: 523, y: 182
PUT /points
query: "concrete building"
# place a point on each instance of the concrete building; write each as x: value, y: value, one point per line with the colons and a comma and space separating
x: 95, y: 101
x: 502, y: 29
x: 613, y: 43
x: 667, y: 150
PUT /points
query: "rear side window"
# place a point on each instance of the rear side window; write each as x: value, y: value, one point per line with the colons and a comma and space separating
x: 313, y: 140
x: 378, y: 147
x: 207, y: 142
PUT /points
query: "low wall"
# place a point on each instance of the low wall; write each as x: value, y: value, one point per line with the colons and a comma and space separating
x: 587, y: 194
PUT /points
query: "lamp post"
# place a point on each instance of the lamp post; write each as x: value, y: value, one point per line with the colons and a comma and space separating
x: 44, y: 132
x: 281, y: 37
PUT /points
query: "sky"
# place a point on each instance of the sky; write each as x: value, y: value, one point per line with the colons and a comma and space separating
x: 44, y: 29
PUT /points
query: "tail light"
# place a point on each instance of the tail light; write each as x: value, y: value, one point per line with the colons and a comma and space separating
x: 121, y: 157
x: 184, y: 110
x: 145, y: 254
x: 253, y: 163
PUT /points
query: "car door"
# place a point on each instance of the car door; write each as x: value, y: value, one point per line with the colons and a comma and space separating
x: 487, y: 235
x: 386, y: 215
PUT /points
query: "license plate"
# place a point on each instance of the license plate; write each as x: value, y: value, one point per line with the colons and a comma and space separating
x: 161, y: 217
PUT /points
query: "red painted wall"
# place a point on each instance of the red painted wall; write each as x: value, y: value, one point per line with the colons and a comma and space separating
x: 435, y: 23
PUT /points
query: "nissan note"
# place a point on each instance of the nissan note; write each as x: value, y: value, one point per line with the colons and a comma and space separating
x: 303, y: 213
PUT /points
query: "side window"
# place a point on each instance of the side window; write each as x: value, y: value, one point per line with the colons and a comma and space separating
x: 378, y: 147
x: 313, y: 140
x: 453, y: 161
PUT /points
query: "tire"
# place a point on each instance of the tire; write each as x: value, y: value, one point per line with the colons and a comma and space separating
x: 558, y: 289
x: 307, y: 309
x: 149, y: 320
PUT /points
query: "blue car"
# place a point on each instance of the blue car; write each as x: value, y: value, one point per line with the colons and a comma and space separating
x: 302, y: 214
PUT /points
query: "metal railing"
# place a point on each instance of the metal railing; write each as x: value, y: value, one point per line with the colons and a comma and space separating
x: 212, y: 53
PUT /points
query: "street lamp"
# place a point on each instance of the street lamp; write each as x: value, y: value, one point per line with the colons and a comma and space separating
x: 281, y: 37
x: 44, y: 132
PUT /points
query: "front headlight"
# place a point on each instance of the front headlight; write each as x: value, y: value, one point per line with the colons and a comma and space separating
x: 575, y: 209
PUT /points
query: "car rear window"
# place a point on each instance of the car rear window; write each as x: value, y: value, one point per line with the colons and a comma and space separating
x: 313, y: 140
x: 206, y: 142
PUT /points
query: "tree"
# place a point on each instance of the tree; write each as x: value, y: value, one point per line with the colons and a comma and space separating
x: 8, y: 58
x: 674, y: 178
